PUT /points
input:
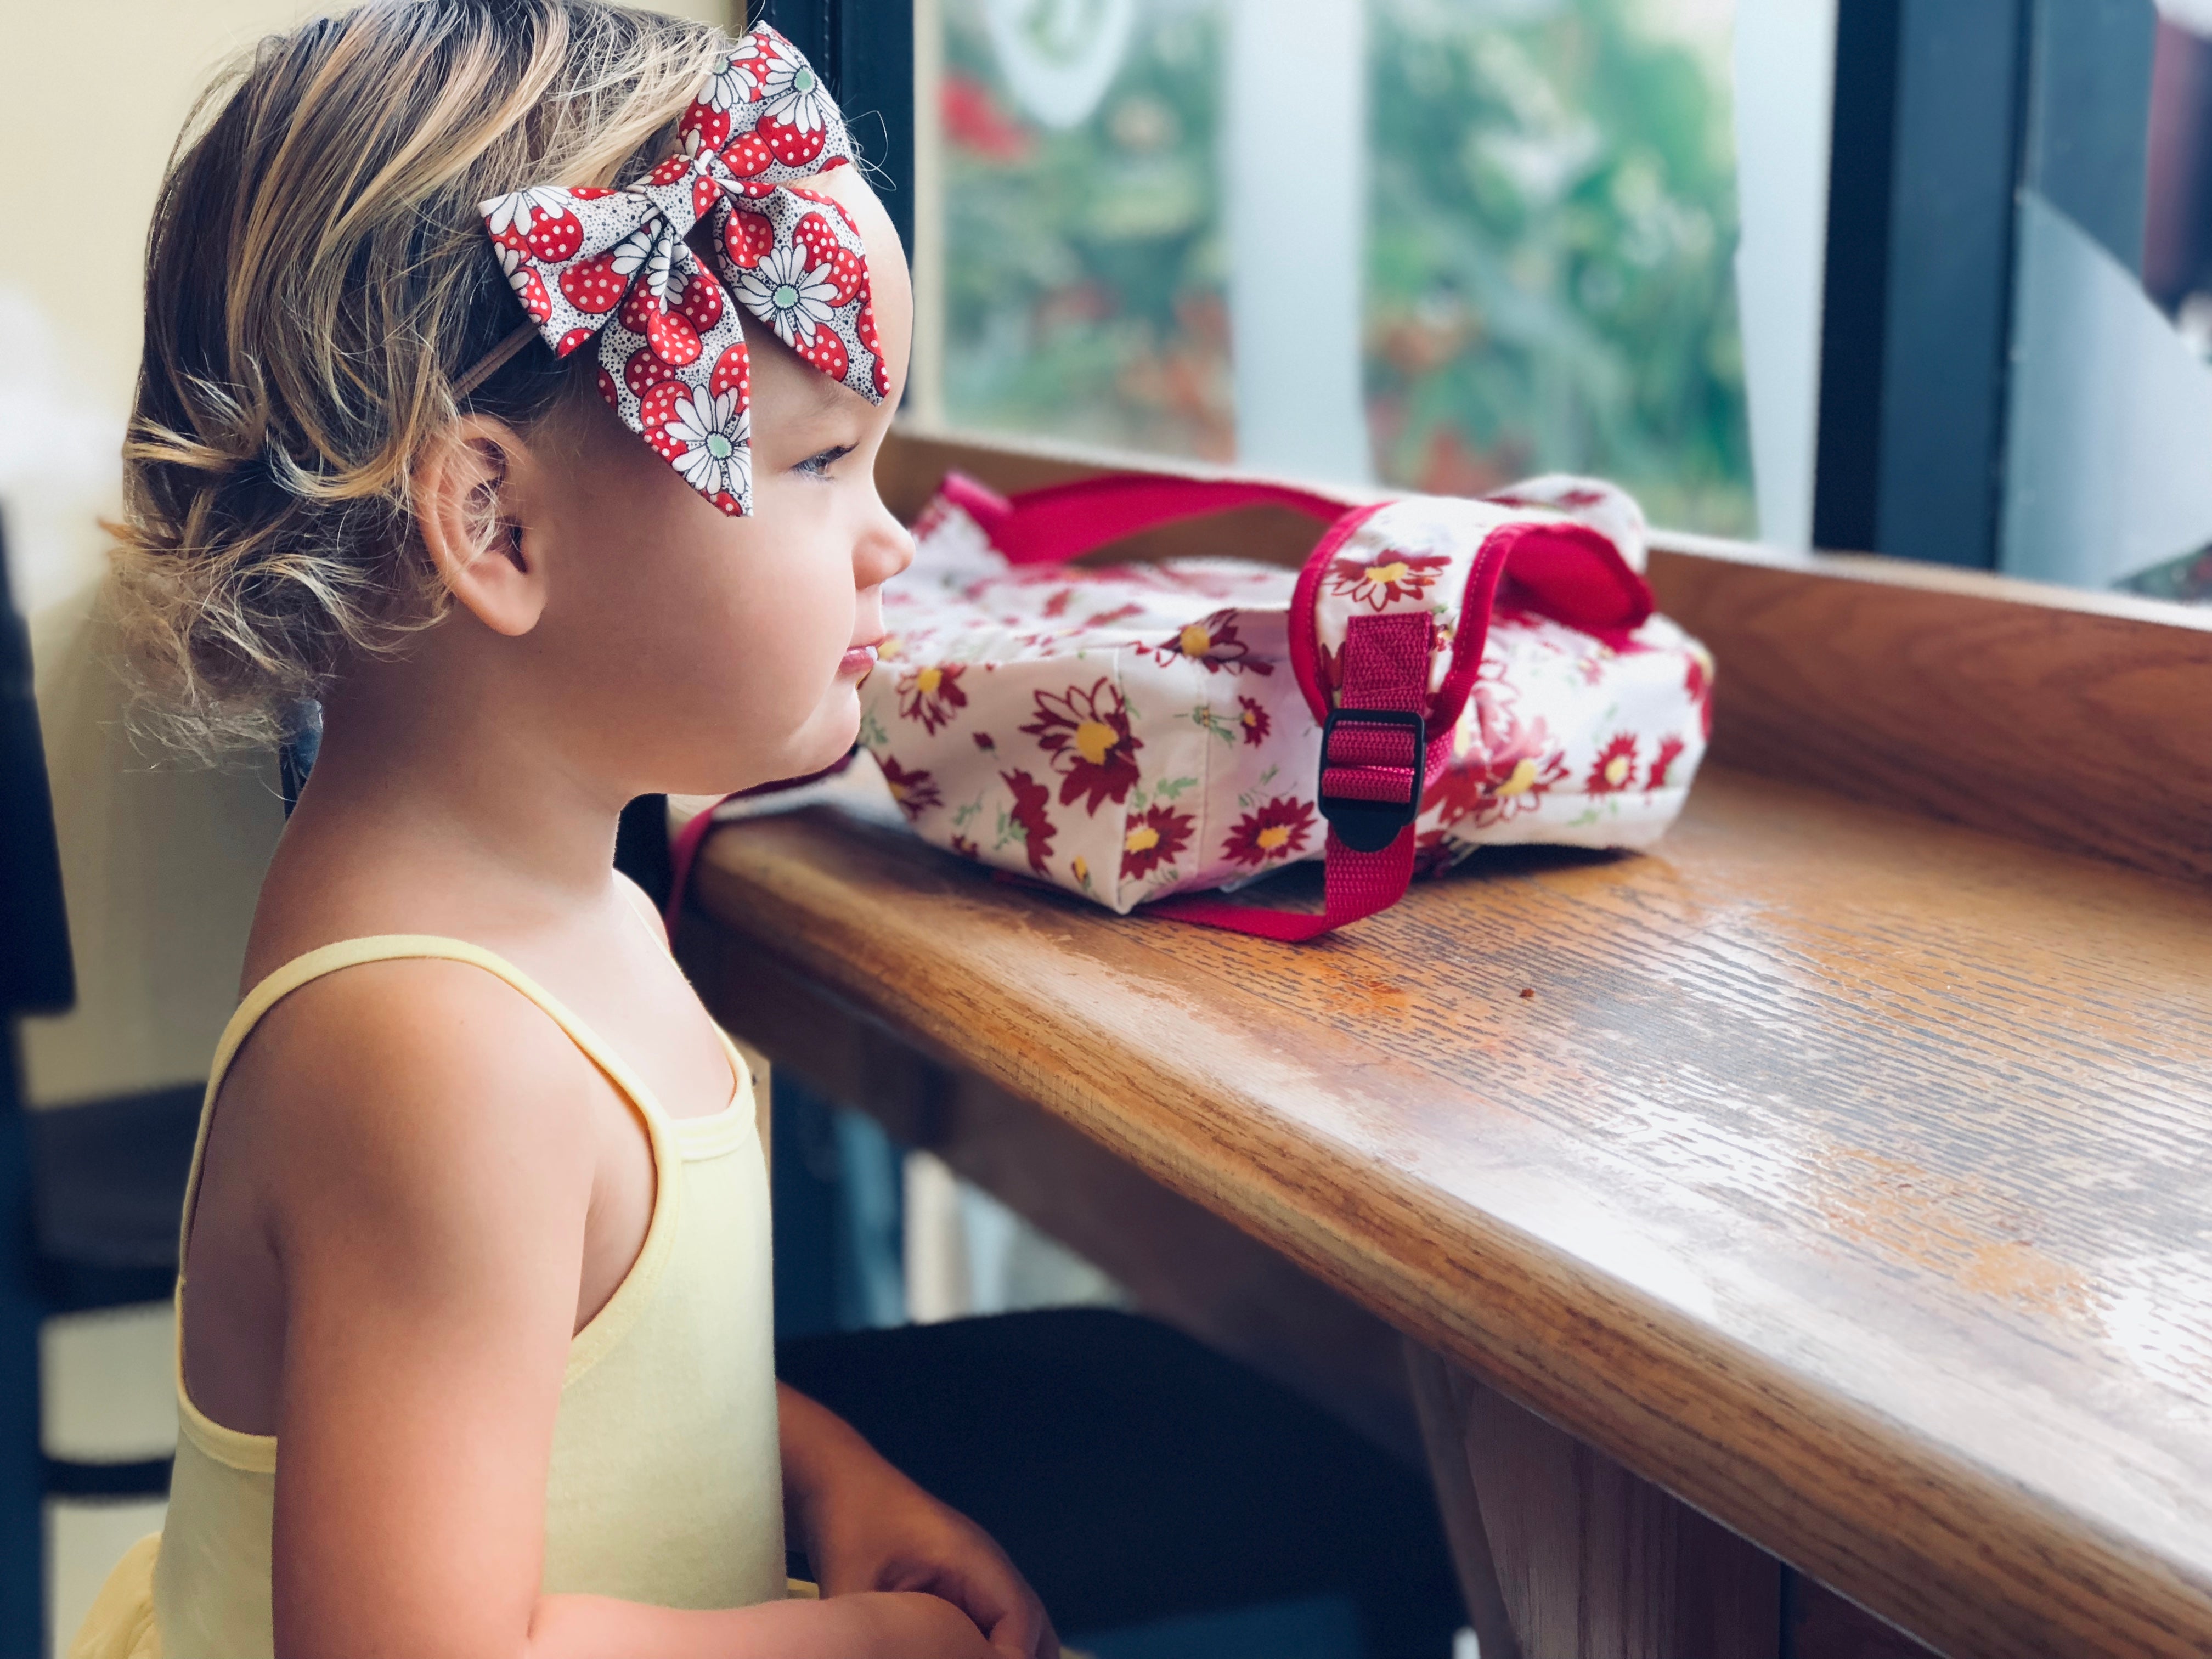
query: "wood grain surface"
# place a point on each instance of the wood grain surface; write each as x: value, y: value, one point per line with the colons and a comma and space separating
x: 1845, y: 1175
x: 1180, y: 1261
x: 1589, y: 1561
x: 1444, y: 1432
x: 2079, y: 721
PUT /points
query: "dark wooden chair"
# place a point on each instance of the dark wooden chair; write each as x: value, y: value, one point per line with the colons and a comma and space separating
x: 90, y: 1196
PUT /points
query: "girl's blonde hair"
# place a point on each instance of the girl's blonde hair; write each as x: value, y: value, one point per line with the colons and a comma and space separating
x: 318, y: 279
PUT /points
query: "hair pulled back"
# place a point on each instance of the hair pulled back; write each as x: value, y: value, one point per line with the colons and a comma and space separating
x: 318, y: 279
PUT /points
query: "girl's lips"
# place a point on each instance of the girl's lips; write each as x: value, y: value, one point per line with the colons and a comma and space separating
x: 859, y: 660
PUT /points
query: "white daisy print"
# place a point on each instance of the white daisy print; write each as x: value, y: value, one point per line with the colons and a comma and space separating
x: 794, y: 94
x: 785, y: 294
x: 511, y: 212
x: 629, y: 254
x: 650, y: 248
x: 658, y: 263
x: 519, y: 275
x: 737, y: 80
x: 717, y: 438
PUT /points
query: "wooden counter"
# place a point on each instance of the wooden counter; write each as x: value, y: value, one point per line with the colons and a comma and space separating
x: 1847, y: 1174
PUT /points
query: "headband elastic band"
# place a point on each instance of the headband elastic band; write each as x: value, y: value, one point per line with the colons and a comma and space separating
x: 495, y: 359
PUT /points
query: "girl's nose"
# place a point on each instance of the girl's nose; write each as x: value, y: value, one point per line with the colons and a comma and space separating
x: 884, y: 549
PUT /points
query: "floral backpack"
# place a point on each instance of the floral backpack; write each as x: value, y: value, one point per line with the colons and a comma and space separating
x: 1442, y: 674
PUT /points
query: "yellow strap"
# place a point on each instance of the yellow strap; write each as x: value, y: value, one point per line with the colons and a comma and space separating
x: 399, y: 947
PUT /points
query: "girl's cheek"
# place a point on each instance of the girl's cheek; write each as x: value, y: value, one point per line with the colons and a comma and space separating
x: 799, y: 615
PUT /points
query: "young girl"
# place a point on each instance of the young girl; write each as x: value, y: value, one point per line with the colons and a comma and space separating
x: 515, y: 374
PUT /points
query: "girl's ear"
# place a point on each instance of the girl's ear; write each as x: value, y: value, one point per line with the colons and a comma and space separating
x: 466, y: 507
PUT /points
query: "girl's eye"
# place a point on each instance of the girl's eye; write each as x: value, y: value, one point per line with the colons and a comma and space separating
x: 817, y: 465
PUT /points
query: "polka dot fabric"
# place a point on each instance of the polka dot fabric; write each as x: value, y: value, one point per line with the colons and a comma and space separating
x: 615, y: 266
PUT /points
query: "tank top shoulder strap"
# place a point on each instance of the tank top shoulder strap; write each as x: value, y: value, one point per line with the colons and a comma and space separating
x: 401, y: 947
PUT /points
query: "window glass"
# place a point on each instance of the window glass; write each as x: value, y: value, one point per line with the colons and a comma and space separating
x: 1549, y: 264
x: 2017, y: 302
x: 1084, y: 259
x: 2107, y: 389
x: 1541, y: 250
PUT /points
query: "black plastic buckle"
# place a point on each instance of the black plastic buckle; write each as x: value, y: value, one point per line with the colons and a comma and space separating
x: 1368, y: 826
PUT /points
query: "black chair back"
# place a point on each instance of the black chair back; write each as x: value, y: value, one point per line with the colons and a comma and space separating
x: 36, y: 975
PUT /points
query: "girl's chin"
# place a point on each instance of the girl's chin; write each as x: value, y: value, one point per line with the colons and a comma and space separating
x: 840, y: 726
x: 821, y: 743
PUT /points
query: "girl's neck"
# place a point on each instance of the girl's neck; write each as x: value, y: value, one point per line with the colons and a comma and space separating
x: 438, y: 812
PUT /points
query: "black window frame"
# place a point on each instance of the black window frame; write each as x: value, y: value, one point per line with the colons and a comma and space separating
x: 1945, y: 112
x: 865, y: 52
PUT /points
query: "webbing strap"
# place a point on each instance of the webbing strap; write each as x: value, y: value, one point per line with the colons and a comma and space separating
x: 1065, y: 521
x: 1386, y: 665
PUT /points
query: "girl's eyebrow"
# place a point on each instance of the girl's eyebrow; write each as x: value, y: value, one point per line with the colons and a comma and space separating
x: 824, y: 400
x: 827, y: 391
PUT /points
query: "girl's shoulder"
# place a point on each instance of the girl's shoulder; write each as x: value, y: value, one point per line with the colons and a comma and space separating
x: 416, y: 1074
x: 392, y: 1137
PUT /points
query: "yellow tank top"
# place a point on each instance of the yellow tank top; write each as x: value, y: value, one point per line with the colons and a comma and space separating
x: 666, y: 1486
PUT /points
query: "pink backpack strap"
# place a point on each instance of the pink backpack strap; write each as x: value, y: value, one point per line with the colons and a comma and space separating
x: 683, y: 853
x: 1385, y: 741
x: 1064, y: 521
x: 1378, y: 760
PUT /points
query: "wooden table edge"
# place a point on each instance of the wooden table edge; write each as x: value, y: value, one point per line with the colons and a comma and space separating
x: 1792, y: 1473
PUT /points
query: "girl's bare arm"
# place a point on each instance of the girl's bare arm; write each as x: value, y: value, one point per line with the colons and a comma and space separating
x: 430, y: 1180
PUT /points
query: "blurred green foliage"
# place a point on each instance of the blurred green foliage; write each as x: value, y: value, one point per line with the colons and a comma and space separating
x: 1549, y: 253
x: 1551, y: 239
x: 1086, y: 267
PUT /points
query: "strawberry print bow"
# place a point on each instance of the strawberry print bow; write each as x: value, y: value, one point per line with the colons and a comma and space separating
x: 615, y: 265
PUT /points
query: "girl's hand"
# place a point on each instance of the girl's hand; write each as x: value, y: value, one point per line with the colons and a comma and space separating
x: 871, y: 1625
x: 867, y: 1526
x: 919, y: 1626
x: 894, y: 1536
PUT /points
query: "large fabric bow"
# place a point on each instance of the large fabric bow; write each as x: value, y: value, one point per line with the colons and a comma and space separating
x: 614, y: 264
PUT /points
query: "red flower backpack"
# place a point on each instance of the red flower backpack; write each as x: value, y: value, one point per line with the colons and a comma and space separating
x: 1442, y: 674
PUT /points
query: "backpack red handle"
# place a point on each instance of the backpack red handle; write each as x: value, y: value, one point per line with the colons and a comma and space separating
x: 1569, y: 572
x: 1064, y: 521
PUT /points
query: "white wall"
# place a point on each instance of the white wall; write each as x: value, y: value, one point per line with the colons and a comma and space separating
x: 161, y: 864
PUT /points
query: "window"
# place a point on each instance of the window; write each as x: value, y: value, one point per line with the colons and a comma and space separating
x: 1085, y: 264
x: 2012, y: 369
x: 1437, y: 243
x: 1910, y: 276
